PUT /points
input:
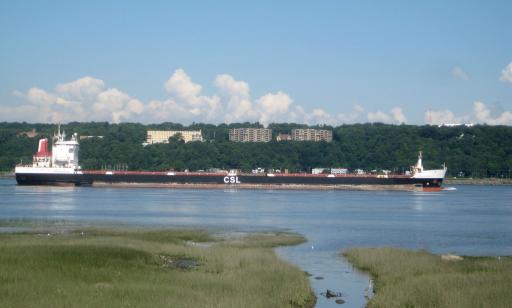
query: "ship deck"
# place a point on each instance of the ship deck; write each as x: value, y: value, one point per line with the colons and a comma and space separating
x: 217, y: 174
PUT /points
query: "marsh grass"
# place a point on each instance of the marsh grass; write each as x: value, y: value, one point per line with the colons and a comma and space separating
x: 406, y: 278
x: 135, y: 268
x: 267, y: 240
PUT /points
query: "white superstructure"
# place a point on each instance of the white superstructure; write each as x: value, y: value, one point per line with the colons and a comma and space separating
x: 62, y: 159
x: 418, y: 172
x: 65, y: 153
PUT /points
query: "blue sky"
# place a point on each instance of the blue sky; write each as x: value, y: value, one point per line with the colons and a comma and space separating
x: 225, y: 61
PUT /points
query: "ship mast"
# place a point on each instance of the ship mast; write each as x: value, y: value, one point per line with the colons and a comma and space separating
x: 418, y: 168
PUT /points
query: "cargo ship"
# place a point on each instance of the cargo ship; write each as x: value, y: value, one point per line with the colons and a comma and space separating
x: 61, y: 167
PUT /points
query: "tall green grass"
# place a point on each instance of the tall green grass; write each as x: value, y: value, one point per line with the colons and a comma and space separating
x: 406, y: 278
x: 136, y: 268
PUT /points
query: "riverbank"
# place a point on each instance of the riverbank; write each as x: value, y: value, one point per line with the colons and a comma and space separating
x: 471, y: 181
x: 148, y: 268
x: 404, y: 278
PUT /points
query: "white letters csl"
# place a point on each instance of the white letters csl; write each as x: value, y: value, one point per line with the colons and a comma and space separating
x: 231, y: 180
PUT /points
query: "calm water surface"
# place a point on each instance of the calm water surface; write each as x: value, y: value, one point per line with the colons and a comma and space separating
x: 473, y: 220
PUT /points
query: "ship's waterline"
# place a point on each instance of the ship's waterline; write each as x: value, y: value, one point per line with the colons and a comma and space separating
x: 265, y: 186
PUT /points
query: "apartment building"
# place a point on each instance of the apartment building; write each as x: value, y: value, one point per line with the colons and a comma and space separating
x: 250, y: 134
x: 310, y: 134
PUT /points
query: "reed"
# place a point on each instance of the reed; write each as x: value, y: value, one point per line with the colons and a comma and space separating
x: 147, y: 268
x: 405, y: 278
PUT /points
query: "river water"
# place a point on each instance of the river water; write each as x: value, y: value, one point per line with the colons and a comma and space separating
x: 471, y: 220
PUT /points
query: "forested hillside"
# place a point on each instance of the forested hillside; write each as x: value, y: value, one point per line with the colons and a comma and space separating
x: 479, y: 151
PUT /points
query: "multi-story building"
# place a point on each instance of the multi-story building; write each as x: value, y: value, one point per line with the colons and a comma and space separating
x: 162, y: 136
x: 250, y: 134
x: 310, y: 134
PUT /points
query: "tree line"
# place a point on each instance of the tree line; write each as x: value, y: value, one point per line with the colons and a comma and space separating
x: 478, y: 151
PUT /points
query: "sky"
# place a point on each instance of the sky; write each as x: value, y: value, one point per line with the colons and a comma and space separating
x: 314, y: 62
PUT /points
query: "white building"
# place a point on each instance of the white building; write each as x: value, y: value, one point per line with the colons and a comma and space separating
x: 162, y: 136
x: 318, y: 170
x: 339, y: 170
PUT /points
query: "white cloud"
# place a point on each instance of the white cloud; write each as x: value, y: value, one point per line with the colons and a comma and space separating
x: 273, y: 107
x: 441, y: 117
x: 228, y: 85
x: 236, y: 93
x: 379, y: 116
x: 43, y: 107
x: 88, y: 99
x: 40, y: 97
x: 506, y: 74
x: 483, y: 115
x: 135, y: 106
x: 182, y: 86
x: 352, y: 117
x: 321, y: 116
x: 459, y: 73
x: 22, y: 113
x: 116, y: 106
x: 398, y: 115
x: 168, y: 110
x: 80, y: 100
x: 84, y: 88
x: 395, y: 117
x: 186, y: 101
x: 358, y: 109
x: 112, y: 99
x: 18, y: 94
x: 480, y: 114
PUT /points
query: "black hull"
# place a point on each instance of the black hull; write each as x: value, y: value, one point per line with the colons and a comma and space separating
x: 100, y: 178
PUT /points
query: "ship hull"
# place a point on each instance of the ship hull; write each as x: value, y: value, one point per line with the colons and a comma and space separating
x: 208, y: 180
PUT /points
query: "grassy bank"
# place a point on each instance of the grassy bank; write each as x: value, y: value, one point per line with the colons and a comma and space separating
x: 420, y: 279
x: 148, y: 268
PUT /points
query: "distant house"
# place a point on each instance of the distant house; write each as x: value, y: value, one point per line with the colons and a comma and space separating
x: 31, y: 134
x: 339, y: 170
x: 284, y: 137
x: 90, y: 137
x: 318, y: 170
x: 456, y: 124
